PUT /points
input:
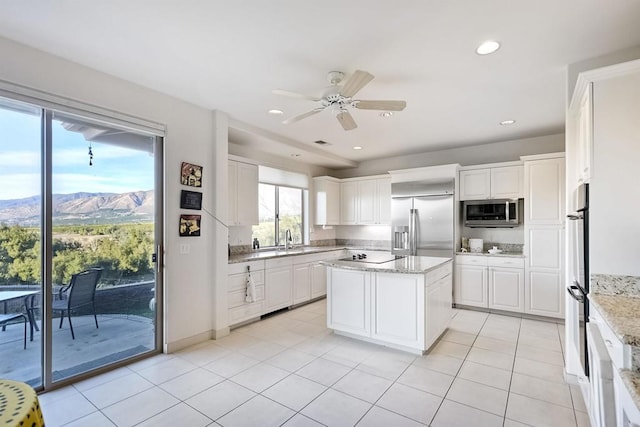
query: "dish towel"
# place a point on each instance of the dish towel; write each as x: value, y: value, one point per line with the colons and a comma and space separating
x: 251, y: 289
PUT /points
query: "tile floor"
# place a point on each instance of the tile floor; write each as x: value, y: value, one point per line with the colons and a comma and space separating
x: 487, y: 370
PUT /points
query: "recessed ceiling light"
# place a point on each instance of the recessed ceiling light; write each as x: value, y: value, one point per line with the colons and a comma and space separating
x: 276, y: 112
x: 488, y: 47
x: 296, y: 155
x: 386, y: 114
x: 507, y: 122
x: 357, y: 147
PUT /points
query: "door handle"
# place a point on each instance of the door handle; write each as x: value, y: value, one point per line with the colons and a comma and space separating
x: 572, y: 291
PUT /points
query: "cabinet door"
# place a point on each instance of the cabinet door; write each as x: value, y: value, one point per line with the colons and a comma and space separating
x: 278, y: 288
x: 301, y: 283
x: 507, y: 182
x: 367, y: 202
x: 327, y: 200
x: 475, y: 184
x: 247, y: 194
x: 232, y: 209
x: 544, y: 183
x: 348, y: 202
x: 318, y: 280
x: 585, y: 135
x: 506, y: 289
x: 398, y: 309
x: 384, y: 201
x: 544, y: 294
x: 349, y: 301
x: 471, y: 286
x: 545, y: 247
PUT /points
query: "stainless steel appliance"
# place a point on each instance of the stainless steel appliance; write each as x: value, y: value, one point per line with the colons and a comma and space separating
x: 579, y: 288
x: 422, y: 218
x: 490, y: 213
x: 372, y: 258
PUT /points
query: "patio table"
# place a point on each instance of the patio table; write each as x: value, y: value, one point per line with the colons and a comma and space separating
x: 6, y: 296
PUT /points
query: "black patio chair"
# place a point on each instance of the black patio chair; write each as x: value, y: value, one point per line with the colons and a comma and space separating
x: 80, y: 293
x: 8, y: 317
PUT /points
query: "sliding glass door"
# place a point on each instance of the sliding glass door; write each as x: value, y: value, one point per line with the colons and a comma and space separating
x: 97, y: 224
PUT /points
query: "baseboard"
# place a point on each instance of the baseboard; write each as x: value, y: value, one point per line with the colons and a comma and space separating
x: 178, y: 345
x: 220, y: 333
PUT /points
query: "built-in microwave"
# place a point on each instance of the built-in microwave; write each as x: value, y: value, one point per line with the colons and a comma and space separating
x: 491, y: 213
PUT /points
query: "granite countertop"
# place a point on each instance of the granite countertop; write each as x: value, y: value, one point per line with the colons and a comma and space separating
x: 632, y: 380
x: 408, y: 264
x: 621, y: 312
x: 505, y: 254
x: 275, y: 253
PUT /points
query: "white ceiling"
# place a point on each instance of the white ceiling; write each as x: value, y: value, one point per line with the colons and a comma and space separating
x: 229, y: 55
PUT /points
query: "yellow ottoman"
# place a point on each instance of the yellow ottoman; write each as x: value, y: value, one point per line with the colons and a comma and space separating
x: 19, y: 405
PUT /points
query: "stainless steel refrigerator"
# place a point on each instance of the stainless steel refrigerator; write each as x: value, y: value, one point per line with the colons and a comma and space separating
x: 422, y: 218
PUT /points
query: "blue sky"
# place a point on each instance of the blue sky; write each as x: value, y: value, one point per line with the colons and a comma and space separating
x: 115, y: 169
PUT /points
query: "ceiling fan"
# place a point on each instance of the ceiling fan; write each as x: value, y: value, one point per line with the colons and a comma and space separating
x: 339, y: 99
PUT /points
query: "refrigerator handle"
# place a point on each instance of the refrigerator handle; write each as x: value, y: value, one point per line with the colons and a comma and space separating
x: 413, y: 232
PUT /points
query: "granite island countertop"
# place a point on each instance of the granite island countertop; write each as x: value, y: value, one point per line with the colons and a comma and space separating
x: 622, y: 313
x: 406, y: 265
x: 276, y: 253
x: 501, y: 254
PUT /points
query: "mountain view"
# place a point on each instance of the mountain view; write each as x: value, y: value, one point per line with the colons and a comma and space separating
x: 81, y: 208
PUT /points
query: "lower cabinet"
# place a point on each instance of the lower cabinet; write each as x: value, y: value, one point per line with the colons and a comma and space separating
x: 240, y: 310
x: 544, y: 294
x: 301, y: 283
x: 506, y: 288
x: 349, y: 292
x: 471, y: 285
x: 278, y: 284
x: 318, y: 278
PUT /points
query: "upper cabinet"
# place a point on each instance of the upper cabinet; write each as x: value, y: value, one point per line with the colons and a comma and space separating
x: 492, y: 183
x: 243, y: 193
x: 545, y: 191
x: 585, y: 135
x: 327, y: 199
x: 366, y: 201
x: 348, y: 203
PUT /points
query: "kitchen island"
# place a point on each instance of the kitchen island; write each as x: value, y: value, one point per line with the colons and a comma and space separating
x: 404, y: 303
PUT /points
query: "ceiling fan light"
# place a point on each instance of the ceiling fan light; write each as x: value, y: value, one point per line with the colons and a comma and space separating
x: 357, y: 147
x: 507, y: 122
x: 488, y: 47
x: 386, y: 114
x: 276, y: 112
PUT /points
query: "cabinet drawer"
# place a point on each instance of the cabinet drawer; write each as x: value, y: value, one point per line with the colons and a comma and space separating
x: 239, y: 281
x: 245, y: 312
x: 236, y: 298
x: 304, y: 259
x: 615, y: 348
x: 505, y: 262
x: 480, y: 260
x: 279, y: 262
x: 440, y: 272
x: 241, y: 267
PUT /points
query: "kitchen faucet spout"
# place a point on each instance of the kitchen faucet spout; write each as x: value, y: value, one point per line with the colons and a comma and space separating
x: 288, y: 240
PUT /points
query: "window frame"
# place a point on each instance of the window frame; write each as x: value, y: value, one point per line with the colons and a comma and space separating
x: 303, y: 212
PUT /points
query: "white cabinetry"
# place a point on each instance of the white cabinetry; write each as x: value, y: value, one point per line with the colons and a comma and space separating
x: 243, y: 193
x: 240, y: 310
x: 584, y: 135
x: 327, y: 200
x: 349, y: 203
x: 278, y: 283
x: 349, y: 292
x: 490, y: 282
x: 365, y: 201
x: 492, y: 183
x: 544, y: 235
x: 301, y: 283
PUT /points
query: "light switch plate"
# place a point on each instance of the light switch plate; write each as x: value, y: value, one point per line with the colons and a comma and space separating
x: 185, y: 248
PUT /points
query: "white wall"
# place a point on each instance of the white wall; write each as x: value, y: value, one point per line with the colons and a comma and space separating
x: 190, y: 280
x: 474, y: 155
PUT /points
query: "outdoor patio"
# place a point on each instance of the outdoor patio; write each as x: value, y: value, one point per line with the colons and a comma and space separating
x: 118, y: 337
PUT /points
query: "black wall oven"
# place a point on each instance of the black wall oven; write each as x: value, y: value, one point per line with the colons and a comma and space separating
x: 579, y: 289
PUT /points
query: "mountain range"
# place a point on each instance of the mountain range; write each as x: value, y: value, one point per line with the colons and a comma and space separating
x: 81, y: 208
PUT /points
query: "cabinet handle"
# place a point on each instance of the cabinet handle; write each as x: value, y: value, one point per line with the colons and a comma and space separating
x: 608, y: 343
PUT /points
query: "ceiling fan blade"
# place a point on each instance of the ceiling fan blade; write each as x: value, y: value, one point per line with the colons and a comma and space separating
x: 346, y: 120
x: 294, y: 95
x: 381, y: 105
x: 302, y: 116
x: 357, y: 81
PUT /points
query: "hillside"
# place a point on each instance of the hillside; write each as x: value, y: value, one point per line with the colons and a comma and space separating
x: 81, y: 208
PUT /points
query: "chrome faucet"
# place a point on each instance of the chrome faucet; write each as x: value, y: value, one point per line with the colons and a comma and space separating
x: 288, y: 241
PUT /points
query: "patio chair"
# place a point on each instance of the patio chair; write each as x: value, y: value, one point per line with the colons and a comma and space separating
x: 8, y: 317
x: 81, y: 293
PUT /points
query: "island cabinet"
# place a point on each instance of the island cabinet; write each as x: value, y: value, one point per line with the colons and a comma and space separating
x: 407, y: 311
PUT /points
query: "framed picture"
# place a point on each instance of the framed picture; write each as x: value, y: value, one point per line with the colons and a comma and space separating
x: 189, y: 225
x: 190, y: 200
x: 191, y: 175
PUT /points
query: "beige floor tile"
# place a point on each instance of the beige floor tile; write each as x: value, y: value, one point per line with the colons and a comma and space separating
x: 550, y: 344
x: 540, y: 389
x: 323, y: 371
x: 262, y: 350
x: 62, y: 411
x: 294, y: 392
x: 511, y: 423
x: 203, y: 354
x: 453, y: 414
x: 101, y: 379
x: 95, y: 419
x: 494, y: 344
x: 140, y: 407
x: 540, y: 370
x: 385, y: 366
x: 166, y: 370
x: 582, y: 418
x: 259, y: 377
x: 576, y: 397
x: 459, y: 337
x: 191, y: 383
x: 362, y: 385
x: 119, y: 389
x: 334, y: 408
x: 450, y: 349
x: 180, y: 414
x: 258, y: 411
x: 479, y: 396
x: 410, y: 402
x: 484, y: 374
x: 538, y: 413
x: 439, y: 362
x: 540, y: 355
x: 290, y: 360
x: 500, y: 334
x: 300, y: 420
x: 220, y: 399
x: 378, y: 417
x: 426, y: 380
x: 231, y: 364
x: 491, y: 358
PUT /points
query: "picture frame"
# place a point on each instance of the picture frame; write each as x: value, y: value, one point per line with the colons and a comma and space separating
x: 190, y: 200
x: 191, y: 175
x: 190, y: 225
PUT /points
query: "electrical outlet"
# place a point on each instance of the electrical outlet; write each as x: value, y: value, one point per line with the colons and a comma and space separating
x: 184, y: 248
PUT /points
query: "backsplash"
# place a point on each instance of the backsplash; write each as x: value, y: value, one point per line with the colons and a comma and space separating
x: 610, y: 284
x: 363, y: 243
